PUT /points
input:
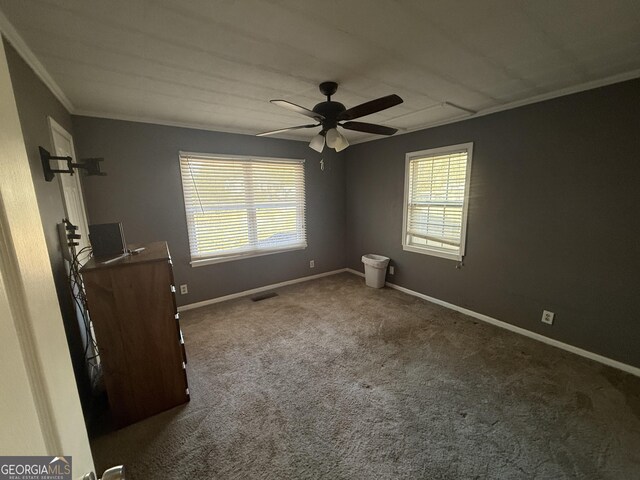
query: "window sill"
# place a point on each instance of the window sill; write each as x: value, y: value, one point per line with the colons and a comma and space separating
x: 211, y: 261
x: 432, y: 252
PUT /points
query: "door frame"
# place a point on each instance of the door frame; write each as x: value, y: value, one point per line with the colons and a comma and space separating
x: 42, y: 414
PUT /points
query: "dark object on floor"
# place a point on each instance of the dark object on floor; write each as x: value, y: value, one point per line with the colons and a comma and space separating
x: 264, y: 296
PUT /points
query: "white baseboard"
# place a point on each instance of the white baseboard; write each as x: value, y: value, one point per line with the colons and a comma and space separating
x: 211, y: 301
x: 355, y: 272
x: 507, y: 326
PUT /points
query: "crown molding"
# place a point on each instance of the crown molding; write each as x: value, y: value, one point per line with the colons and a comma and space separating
x: 14, y: 38
x: 169, y: 123
x: 455, y: 119
x: 603, y: 82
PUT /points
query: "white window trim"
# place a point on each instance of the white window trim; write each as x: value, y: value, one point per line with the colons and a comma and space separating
x: 465, y: 206
x: 211, y: 261
x: 201, y: 262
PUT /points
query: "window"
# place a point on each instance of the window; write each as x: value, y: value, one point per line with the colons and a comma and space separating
x: 242, y: 207
x: 436, y: 195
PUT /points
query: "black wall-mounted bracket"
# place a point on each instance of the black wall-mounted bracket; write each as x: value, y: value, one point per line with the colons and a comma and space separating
x: 91, y: 165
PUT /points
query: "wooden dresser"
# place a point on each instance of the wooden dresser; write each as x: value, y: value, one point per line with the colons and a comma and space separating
x: 133, y: 308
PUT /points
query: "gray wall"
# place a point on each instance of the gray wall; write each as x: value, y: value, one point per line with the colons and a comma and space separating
x: 143, y: 191
x: 552, y: 221
x: 35, y: 103
x: 553, y: 217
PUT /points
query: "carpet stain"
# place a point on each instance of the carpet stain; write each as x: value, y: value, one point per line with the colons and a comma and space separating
x: 335, y: 380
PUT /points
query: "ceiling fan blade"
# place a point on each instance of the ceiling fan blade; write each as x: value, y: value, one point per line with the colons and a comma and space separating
x: 273, y: 132
x: 298, y: 109
x: 369, y: 128
x: 368, y: 108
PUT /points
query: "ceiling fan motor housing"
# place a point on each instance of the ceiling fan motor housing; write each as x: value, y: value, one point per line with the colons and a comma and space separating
x: 330, y: 111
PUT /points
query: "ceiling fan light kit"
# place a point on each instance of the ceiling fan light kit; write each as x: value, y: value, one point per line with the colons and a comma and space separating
x: 332, y: 137
x: 336, y: 140
x: 317, y: 143
x: 329, y: 114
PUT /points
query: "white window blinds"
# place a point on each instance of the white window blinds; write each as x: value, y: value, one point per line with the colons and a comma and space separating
x: 240, y: 207
x: 436, y: 201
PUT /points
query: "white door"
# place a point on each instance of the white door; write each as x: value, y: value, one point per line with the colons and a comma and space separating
x: 40, y: 409
x: 70, y: 184
x: 71, y: 188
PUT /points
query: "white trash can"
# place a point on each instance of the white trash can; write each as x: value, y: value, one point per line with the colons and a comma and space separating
x: 375, y: 269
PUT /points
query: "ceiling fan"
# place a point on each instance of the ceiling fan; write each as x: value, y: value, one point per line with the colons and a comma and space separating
x: 330, y: 114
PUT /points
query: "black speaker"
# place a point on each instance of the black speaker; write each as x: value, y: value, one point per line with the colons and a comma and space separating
x: 107, y: 240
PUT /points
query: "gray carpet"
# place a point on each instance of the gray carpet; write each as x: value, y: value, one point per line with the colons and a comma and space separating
x: 335, y: 380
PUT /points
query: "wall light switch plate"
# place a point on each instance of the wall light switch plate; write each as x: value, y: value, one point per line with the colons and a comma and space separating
x: 312, y: 264
x: 392, y: 270
x: 547, y: 317
x: 183, y: 289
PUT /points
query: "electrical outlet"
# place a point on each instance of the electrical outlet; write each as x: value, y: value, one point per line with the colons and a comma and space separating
x: 312, y: 264
x: 547, y: 317
x: 392, y: 270
x: 183, y: 289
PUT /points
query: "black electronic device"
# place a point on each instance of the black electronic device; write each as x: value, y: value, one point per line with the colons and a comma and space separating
x: 107, y: 240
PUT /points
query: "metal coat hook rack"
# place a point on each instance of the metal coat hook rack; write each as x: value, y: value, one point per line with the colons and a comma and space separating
x: 91, y: 165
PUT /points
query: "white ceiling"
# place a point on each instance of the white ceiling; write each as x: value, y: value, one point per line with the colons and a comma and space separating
x: 215, y: 64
